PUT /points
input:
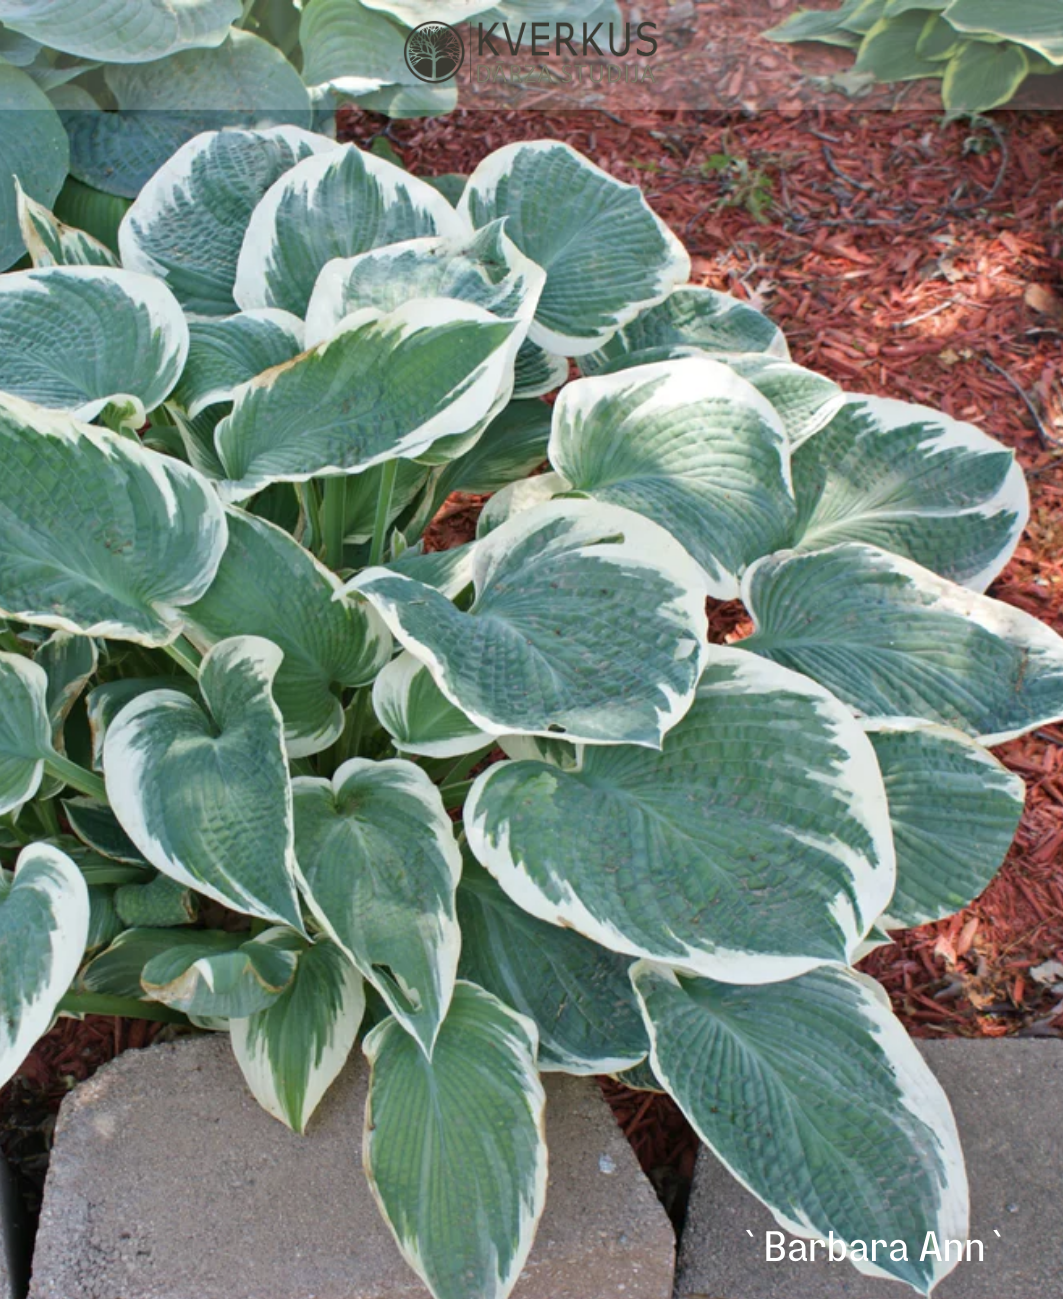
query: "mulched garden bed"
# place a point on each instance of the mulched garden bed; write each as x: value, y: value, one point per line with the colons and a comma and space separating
x: 902, y: 257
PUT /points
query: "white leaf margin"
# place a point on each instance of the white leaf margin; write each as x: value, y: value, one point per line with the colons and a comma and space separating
x: 50, y: 872
x: 411, y: 780
x: 872, y: 884
x: 484, y: 181
x: 922, y: 1096
x: 945, y: 434
x: 646, y: 547
x: 524, y: 1040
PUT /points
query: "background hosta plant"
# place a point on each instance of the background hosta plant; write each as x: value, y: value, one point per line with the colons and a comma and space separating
x: 95, y: 95
x: 270, y: 767
x: 981, y: 50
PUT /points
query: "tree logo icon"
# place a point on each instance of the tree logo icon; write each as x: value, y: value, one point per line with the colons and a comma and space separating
x: 434, y: 52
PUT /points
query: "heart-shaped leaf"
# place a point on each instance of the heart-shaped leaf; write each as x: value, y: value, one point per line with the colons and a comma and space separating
x: 381, y: 864
x: 383, y: 387
x: 815, y: 1097
x: 892, y: 639
x: 291, y: 1052
x: 954, y: 810
x: 912, y: 480
x: 691, y: 446
x: 189, y: 221
x: 44, y: 926
x: 596, y: 613
x: 268, y: 585
x: 484, y: 268
x: 98, y: 535
x: 753, y: 847
x: 477, y: 1108
x: 336, y: 204
x: 74, y: 338
x: 203, y: 792
x: 605, y: 252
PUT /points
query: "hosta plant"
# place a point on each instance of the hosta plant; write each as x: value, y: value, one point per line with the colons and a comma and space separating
x: 108, y: 90
x: 981, y: 50
x: 272, y: 767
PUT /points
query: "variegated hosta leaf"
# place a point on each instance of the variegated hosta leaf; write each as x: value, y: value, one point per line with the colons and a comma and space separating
x: 363, y: 495
x: 1033, y: 23
x: 69, y: 662
x: 524, y: 494
x: 44, y: 926
x: 605, y: 253
x: 156, y: 903
x: 106, y: 701
x: 914, y: 481
x: 377, y: 851
x: 116, y: 971
x: 25, y: 730
x: 511, y: 447
x: 449, y: 571
x: 954, y: 810
x: 465, y: 1206
x: 51, y: 243
x: 203, y: 792
x: 691, y: 446
x: 122, y: 31
x: 482, y: 267
x: 418, y: 716
x: 411, y: 13
x: 337, y: 204
x: 97, y: 827
x: 588, y: 622
x: 291, y: 1052
x: 383, y: 387
x: 892, y: 639
x: 817, y: 1100
x: 537, y: 371
x: 577, y: 993
x: 268, y: 585
x: 227, y: 351
x: 33, y: 148
x: 230, y: 982
x: 691, y: 316
x: 74, y: 338
x: 804, y: 400
x: 351, y: 49
x: 753, y: 847
x: 983, y: 75
x: 188, y: 223
x: 241, y: 81
x: 98, y: 535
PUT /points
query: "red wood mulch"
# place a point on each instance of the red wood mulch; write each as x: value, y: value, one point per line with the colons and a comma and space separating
x: 901, y: 258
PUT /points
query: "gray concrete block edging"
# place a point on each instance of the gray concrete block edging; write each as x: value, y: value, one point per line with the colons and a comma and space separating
x: 168, y: 1181
x: 1004, y: 1094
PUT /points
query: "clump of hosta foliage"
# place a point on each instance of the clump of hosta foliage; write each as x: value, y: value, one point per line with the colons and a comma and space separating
x: 232, y: 675
x: 981, y: 50
x: 175, y: 70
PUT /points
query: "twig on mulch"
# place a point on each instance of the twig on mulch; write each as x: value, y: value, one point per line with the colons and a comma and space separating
x: 1047, y: 438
